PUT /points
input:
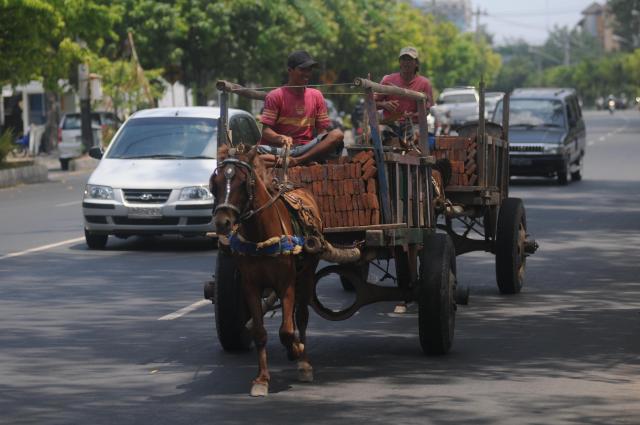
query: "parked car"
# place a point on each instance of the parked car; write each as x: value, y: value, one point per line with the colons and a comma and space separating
x: 547, y: 135
x: 70, y: 134
x: 491, y: 99
x: 458, y: 104
x: 154, y: 176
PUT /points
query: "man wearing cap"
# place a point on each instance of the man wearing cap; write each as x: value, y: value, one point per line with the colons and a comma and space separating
x: 394, y: 107
x: 291, y: 116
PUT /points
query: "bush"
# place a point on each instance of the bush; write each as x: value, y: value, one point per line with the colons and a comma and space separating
x: 6, y: 144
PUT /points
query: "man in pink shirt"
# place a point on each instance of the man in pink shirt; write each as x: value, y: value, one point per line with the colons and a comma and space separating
x: 293, y: 114
x: 394, y: 107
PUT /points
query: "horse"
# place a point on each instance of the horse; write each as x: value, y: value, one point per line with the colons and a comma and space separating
x: 247, y: 211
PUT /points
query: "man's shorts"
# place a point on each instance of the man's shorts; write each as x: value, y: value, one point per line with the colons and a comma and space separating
x: 298, y: 150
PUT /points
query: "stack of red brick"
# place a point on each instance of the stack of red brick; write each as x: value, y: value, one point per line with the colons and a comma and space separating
x: 345, y: 189
x: 461, y: 152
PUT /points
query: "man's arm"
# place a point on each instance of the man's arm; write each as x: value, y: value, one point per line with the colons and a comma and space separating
x: 274, y: 138
x: 383, y: 101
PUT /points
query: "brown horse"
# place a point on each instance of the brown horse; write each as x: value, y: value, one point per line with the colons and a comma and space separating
x: 248, y: 211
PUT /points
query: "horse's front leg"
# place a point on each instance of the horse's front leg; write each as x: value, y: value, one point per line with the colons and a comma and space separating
x: 260, y: 385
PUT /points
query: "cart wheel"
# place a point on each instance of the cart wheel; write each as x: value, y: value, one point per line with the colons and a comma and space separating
x: 364, y: 274
x: 230, y: 308
x: 510, y: 252
x: 436, y: 296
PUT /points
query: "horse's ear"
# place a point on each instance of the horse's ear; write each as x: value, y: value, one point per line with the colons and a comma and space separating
x: 223, y: 152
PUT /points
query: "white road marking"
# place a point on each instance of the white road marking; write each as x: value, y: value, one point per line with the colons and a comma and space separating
x: 591, y: 143
x: 602, y: 138
x: 186, y: 310
x: 41, y: 248
x: 66, y: 204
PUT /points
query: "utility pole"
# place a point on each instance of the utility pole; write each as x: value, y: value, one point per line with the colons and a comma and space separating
x: 477, y: 15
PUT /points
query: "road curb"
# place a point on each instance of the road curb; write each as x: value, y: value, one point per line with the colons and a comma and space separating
x: 36, y: 173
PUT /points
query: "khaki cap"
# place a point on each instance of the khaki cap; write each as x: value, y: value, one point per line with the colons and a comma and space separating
x: 409, y: 51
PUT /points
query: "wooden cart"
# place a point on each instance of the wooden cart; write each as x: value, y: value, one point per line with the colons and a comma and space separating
x: 397, y: 222
x: 482, y: 216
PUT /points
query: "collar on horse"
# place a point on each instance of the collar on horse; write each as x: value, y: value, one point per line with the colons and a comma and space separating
x: 277, y: 245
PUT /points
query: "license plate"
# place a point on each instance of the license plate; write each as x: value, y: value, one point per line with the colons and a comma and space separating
x: 522, y: 162
x: 144, y: 212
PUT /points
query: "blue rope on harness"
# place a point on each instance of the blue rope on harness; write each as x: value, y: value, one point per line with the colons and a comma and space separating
x: 287, y: 245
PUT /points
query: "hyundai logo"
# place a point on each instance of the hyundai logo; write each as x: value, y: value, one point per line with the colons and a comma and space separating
x: 146, y: 197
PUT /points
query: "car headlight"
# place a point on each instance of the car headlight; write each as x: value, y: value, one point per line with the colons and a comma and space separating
x: 98, y: 192
x: 554, y: 149
x: 195, y: 193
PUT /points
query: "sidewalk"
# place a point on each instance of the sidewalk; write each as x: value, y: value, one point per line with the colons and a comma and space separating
x: 39, y: 171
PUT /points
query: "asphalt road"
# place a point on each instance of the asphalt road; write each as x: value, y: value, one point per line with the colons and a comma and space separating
x: 81, y: 340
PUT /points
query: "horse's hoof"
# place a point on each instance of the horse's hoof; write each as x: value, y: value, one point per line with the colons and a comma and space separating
x: 259, y: 390
x: 305, y: 372
x: 297, y: 348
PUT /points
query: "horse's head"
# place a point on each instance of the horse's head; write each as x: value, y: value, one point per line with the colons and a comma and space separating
x: 233, y: 184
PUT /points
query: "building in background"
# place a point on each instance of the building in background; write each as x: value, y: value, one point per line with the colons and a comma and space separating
x: 459, y: 12
x: 597, y: 20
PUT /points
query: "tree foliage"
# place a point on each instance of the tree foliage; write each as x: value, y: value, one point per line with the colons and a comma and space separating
x: 26, y: 28
x: 198, y: 41
x: 627, y: 22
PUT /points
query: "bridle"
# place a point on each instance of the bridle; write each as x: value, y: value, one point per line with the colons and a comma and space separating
x: 229, y: 170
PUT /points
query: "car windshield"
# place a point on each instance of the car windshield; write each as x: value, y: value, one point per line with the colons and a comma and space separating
x: 534, y: 113
x: 167, y: 137
x: 458, y: 98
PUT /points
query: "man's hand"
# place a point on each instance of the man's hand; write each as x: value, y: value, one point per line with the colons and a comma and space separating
x: 285, y: 141
x: 390, y: 105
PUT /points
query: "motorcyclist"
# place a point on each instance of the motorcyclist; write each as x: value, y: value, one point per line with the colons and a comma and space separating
x: 611, y: 103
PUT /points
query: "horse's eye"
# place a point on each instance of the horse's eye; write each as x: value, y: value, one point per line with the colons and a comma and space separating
x: 229, y: 172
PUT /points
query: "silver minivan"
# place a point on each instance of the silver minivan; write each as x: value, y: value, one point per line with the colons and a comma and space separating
x: 154, y: 176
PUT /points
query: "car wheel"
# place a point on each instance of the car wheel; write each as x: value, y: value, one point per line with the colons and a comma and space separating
x: 563, y: 173
x: 576, y: 176
x: 95, y: 241
x: 64, y: 164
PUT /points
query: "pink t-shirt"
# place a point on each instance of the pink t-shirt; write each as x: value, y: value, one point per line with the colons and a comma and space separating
x: 295, y: 114
x: 419, y: 83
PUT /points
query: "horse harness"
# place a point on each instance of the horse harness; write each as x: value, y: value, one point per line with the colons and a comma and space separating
x: 282, y: 245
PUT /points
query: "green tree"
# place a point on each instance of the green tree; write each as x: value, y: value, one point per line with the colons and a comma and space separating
x: 26, y: 31
x: 627, y: 22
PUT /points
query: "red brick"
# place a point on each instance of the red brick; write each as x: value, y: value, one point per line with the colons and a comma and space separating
x: 375, y: 216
